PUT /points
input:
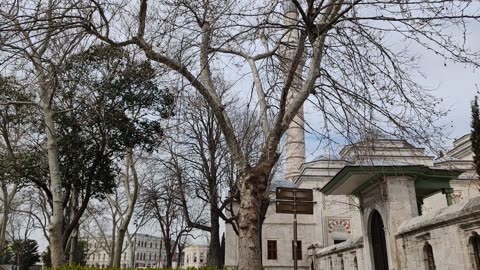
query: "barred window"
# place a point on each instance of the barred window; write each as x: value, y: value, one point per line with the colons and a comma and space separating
x: 272, y: 249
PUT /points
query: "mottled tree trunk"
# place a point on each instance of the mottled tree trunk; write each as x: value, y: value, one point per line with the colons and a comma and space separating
x: 132, y: 199
x: 7, y: 202
x: 74, y: 234
x: 3, y: 228
x: 248, y: 219
x: 73, y: 247
x: 119, y: 246
x: 55, y: 227
x: 112, y: 247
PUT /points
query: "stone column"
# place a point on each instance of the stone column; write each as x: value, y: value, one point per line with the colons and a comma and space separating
x: 401, y: 205
x: 295, y: 136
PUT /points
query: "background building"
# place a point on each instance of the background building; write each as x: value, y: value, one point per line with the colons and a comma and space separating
x: 195, y: 256
x: 146, y: 251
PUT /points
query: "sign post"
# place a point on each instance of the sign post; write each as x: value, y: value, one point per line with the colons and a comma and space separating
x: 294, y: 201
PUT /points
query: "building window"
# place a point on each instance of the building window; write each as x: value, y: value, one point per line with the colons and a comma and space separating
x: 156, y: 245
x: 188, y: 257
x: 330, y: 263
x: 150, y: 256
x: 194, y: 257
x: 124, y: 255
x: 355, y: 263
x: 299, y: 250
x: 154, y: 256
x: 271, y: 249
x: 428, y: 257
x: 151, y: 244
x: 104, y: 256
x: 342, y: 265
x: 474, y: 243
x: 202, y: 257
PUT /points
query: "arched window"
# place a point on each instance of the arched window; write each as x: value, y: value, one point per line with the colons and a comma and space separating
x: 330, y: 262
x: 428, y: 257
x: 355, y: 263
x: 342, y: 265
x: 474, y: 243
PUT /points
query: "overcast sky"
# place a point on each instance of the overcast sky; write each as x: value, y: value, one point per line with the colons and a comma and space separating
x: 456, y: 83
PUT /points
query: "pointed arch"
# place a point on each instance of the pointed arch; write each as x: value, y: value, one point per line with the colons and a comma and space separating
x: 429, y: 259
x: 379, y: 243
x: 474, y: 247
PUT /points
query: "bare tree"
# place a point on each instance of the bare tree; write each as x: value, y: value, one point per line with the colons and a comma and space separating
x: 131, y: 181
x: 339, y: 57
x: 105, y: 218
x: 30, y: 36
x: 161, y: 204
x: 15, y: 120
x: 199, y: 160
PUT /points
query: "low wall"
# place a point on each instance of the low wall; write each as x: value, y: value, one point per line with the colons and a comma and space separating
x: 447, y: 231
x: 343, y: 256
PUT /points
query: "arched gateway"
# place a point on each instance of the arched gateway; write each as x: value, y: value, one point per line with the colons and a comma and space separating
x: 379, y: 246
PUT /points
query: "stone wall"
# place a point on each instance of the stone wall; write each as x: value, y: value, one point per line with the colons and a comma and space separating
x: 447, y: 230
x: 344, y: 256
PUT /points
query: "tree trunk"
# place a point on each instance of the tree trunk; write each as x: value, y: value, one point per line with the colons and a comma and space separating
x: 55, y: 228
x: 74, y: 234
x: 118, y: 247
x: 168, y: 251
x: 179, y: 255
x: 222, y: 246
x: 248, y: 218
x: 113, y: 245
x: 73, y: 247
x: 214, y: 249
x: 3, y: 228
x: 132, y: 199
x: 7, y: 202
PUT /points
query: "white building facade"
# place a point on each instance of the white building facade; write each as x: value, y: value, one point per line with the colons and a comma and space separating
x: 146, y: 251
x: 384, y: 204
x: 195, y: 256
